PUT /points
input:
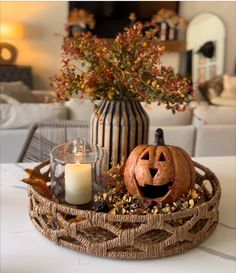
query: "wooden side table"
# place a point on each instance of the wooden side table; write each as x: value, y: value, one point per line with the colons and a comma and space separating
x: 10, y: 73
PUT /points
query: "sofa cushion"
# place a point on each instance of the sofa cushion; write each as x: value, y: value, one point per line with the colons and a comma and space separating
x: 79, y: 109
x: 17, y: 90
x: 24, y: 114
x: 224, y: 101
x: 213, y: 115
x: 160, y: 116
x: 229, y: 90
x: 216, y: 140
x: 182, y: 136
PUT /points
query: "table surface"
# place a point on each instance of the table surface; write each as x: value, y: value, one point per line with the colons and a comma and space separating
x: 24, y: 250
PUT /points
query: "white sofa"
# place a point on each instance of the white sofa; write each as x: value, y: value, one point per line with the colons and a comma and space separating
x: 215, y: 130
x: 200, y: 130
x: 15, y: 121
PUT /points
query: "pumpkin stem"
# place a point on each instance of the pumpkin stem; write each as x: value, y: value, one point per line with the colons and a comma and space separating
x: 159, y: 138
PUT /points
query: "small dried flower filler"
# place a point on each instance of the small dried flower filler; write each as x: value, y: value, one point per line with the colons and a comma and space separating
x: 119, y: 201
x: 129, y: 67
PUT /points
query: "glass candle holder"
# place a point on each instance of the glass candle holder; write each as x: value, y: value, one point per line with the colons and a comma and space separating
x: 76, y: 171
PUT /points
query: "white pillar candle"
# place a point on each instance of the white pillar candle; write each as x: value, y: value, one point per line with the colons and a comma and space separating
x: 78, y: 183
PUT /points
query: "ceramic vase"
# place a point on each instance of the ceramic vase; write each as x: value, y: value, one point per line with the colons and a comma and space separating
x: 119, y: 126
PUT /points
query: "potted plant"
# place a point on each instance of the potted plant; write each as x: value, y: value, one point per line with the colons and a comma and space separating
x: 121, y: 75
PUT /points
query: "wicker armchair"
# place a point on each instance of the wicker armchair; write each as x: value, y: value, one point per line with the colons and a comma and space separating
x: 44, y: 136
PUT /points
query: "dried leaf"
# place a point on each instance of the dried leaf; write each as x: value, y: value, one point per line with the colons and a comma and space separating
x: 77, y: 219
x: 35, y: 173
x: 39, y: 185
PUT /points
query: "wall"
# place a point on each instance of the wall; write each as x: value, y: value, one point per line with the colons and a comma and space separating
x: 227, y: 12
x: 41, y: 47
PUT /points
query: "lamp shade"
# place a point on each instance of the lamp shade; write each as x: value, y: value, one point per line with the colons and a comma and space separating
x: 11, y: 31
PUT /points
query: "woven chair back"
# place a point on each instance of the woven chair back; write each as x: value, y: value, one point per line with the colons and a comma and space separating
x: 44, y: 136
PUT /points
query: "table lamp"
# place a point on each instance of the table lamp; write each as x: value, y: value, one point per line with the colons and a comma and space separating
x: 9, y: 32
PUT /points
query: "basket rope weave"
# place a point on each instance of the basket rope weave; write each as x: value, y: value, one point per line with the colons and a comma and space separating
x: 128, y: 236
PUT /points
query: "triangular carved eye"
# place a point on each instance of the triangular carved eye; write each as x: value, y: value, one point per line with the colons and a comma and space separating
x: 145, y: 156
x: 162, y: 157
x: 153, y: 172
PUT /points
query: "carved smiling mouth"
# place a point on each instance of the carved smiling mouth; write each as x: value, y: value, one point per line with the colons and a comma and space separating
x: 151, y: 191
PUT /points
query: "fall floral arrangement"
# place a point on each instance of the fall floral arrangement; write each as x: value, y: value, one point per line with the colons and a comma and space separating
x: 129, y: 67
x: 170, y: 17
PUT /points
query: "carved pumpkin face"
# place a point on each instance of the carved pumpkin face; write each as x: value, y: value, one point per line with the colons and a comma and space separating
x: 159, y: 172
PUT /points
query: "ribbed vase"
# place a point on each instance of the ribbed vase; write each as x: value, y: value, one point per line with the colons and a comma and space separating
x: 119, y: 126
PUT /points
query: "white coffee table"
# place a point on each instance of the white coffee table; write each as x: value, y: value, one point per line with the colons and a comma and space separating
x: 24, y: 250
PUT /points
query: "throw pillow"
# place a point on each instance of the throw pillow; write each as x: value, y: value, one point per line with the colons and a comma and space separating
x: 7, y: 99
x: 211, y: 88
x: 229, y: 90
x: 17, y: 90
x: 224, y: 101
x: 23, y: 115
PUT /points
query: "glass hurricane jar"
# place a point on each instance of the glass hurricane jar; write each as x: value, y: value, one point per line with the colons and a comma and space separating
x: 76, y: 171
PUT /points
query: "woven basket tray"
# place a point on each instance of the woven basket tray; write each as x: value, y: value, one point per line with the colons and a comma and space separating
x: 128, y: 236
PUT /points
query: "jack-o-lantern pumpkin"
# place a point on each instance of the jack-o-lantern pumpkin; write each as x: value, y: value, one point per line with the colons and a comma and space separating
x: 159, y: 172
